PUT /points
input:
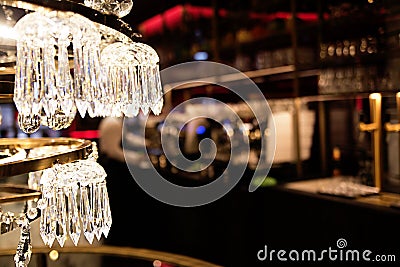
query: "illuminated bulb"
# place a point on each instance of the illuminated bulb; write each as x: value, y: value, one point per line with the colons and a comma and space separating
x: 375, y: 96
x: 53, y: 255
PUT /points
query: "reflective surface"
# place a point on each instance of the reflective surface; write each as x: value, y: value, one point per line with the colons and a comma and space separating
x: 105, y: 256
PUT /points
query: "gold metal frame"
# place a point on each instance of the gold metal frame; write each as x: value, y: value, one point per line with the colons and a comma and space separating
x: 19, y: 193
x: 375, y: 127
x: 76, y: 149
x: 125, y: 252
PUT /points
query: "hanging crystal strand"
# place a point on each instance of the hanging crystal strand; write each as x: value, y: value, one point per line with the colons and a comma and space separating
x: 19, y: 89
x: 58, y: 120
x: 145, y: 103
x: 86, y: 41
x: 50, y: 94
x: 42, y: 204
x: 125, y: 98
x: 51, y: 219
x: 86, y: 216
x: 158, y: 98
x: 48, y: 220
x: 106, y: 210
x: 113, y: 77
x: 151, y: 84
x: 151, y: 61
x: 28, y: 82
x: 79, y: 76
x: 28, y: 121
x: 93, y: 207
x: 90, y: 89
x: 94, y: 105
x: 98, y: 210
x: 97, y: 80
x: 61, y: 217
x: 65, y: 86
x: 119, y: 76
x: 63, y: 78
x: 74, y: 226
x: 37, y: 79
x: 131, y: 108
x: 136, y: 90
x: 24, y: 249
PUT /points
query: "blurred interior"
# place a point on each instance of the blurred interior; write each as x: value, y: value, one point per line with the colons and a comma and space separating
x: 317, y: 72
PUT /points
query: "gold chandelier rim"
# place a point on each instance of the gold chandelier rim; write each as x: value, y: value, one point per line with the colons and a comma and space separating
x: 77, y: 149
x: 19, y: 193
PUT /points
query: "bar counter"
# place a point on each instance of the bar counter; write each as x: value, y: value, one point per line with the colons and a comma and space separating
x: 287, y: 216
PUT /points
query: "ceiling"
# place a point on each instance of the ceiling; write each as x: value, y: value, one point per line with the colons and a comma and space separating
x: 144, y: 9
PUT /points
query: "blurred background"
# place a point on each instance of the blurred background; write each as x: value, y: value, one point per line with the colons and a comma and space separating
x: 317, y: 63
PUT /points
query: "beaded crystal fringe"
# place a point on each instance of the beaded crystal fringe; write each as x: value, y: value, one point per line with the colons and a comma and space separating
x: 117, y: 81
x: 74, y: 200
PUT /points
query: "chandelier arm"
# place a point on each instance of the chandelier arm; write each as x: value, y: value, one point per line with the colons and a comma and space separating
x: 77, y: 149
x: 18, y: 193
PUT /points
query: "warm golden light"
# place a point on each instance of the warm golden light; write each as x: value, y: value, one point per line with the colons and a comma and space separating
x: 53, y: 255
x: 7, y: 32
x: 375, y: 96
x: 157, y: 263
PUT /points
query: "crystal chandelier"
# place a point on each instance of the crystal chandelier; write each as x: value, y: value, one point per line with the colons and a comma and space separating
x: 111, y: 75
x: 72, y: 58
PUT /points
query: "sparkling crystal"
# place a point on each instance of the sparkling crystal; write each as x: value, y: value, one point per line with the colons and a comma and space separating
x: 137, y: 86
x: 97, y: 210
x: 43, y: 225
x: 29, y: 123
x: 63, y: 215
x: 86, y: 216
x: 50, y: 229
x: 157, y: 108
x: 82, y: 107
x: 106, y: 210
x: 24, y: 250
x: 59, y: 120
x: 47, y: 227
x: 61, y: 218
x: 74, y: 226
x: 43, y: 80
x: 120, y: 8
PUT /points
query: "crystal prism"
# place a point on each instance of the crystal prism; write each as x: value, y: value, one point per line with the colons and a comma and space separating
x: 74, y: 226
x: 61, y: 221
x: 119, y: 8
